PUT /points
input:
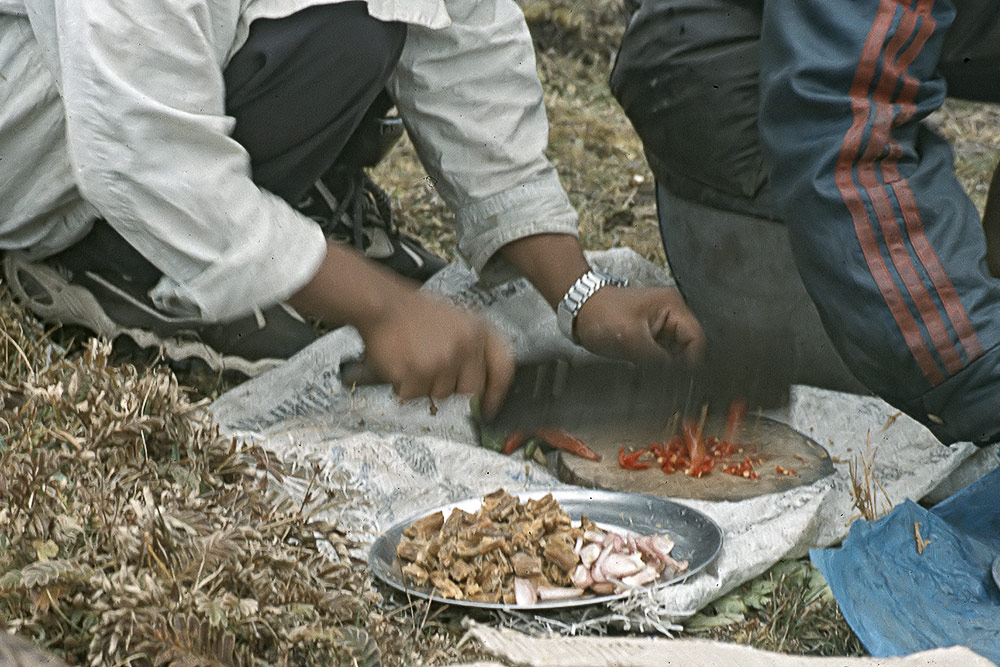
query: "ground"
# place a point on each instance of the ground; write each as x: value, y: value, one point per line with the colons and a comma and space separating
x: 114, y: 495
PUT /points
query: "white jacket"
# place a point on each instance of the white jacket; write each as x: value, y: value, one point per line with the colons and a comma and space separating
x: 115, y: 108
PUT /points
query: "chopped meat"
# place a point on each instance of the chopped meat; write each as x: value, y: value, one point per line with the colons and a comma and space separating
x: 532, y: 546
x: 555, y: 574
x: 456, y: 521
x: 490, y: 577
x: 461, y: 570
x: 555, y: 518
x: 525, y: 565
x: 416, y: 574
x: 560, y: 549
x: 491, y: 500
x: 471, y: 549
x: 408, y: 549
x: 425, y: 527
x: 445, y: 586
x: 492, y: 597
x: 503, y: 508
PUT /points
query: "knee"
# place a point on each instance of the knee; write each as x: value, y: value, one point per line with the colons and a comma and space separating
x: 370, y: 47
x: 686, y: 76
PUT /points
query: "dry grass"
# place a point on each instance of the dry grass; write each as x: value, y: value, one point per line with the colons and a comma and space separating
x: 789, y: 609
x: 869, y: 496
x: 974, y: 132
x: 132, y: 533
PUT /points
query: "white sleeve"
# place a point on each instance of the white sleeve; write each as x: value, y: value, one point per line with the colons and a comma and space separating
x: 472, y: 103
x: 151, y: 148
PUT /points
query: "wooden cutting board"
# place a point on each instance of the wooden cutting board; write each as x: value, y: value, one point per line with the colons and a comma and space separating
x: 776, y: 443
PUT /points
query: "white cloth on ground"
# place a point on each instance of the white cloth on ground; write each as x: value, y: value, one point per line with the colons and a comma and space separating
x: 384, y: 462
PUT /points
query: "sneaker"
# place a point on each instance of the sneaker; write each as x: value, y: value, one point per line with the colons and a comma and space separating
x: 351, y: 208
x: 103, y: 284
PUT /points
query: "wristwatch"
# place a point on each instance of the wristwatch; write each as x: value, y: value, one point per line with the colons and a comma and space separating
x: 578, y: 293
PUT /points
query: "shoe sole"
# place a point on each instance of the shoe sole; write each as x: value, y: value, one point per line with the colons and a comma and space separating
x: 72, y: 304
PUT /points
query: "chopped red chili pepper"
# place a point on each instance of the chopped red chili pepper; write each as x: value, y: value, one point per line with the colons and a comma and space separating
x: 742, y: 469
x: 695, y: 446
x: 695, y: 453
x: 568, y: 443
x: 513, y: 441
x: 737, y: 410
x: 631, y: 461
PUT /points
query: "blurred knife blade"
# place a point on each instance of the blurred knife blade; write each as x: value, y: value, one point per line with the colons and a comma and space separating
x: 574, y: 395
x: 579, y: 395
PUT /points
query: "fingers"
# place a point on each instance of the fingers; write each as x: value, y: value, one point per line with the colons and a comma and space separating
x: 641, y: 324
x: 443, y: 384
x: 464, y: 356
x: 499, y: 374
x: 692, y: 336
x: 679, y: 333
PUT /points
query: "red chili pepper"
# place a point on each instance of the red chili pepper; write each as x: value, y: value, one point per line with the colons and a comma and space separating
x: 513, y: 441
x: 695, y: 445
x: 742, y: 469
x: 737, y: 410
x: 568, y: 443
x: 631, y: 461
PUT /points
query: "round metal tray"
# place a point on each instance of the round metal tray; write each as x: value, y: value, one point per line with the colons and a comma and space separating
x: 697, y: 538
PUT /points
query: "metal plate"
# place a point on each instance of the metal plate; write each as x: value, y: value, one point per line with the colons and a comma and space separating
x: 697, y: 538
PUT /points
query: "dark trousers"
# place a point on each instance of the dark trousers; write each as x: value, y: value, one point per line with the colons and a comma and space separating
x: 809, y: 112
x: 303, y: 90
x: 301, y: 87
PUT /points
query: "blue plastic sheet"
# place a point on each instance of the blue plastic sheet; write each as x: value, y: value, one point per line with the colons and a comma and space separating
x: 899, y: 600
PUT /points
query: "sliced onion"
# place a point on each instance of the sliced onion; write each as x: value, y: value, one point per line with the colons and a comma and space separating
x: 558, y: 593
x: 589, y: 554
x: 581, y: 577
x: 525, y: 591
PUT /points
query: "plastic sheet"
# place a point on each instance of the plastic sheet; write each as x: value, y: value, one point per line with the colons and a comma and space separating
x: 919, y: 579
x: 382, y: 461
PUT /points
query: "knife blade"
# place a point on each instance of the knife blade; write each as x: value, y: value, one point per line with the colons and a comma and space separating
x: 577, y: 394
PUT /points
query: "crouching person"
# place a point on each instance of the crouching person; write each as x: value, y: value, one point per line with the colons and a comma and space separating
x: 192, y: 174
x: 804, y: 205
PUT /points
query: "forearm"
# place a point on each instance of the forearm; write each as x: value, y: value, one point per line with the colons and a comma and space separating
x: 349, y: 289
x: 552, y: 262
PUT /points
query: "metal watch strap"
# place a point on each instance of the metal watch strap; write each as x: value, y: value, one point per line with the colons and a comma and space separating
x: 578, y: 293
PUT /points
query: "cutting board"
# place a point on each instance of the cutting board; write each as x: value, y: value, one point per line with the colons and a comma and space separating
x: 776, y: 443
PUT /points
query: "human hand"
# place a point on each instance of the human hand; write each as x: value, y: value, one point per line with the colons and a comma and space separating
x: 640, y: 324
x: 425, y: 347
